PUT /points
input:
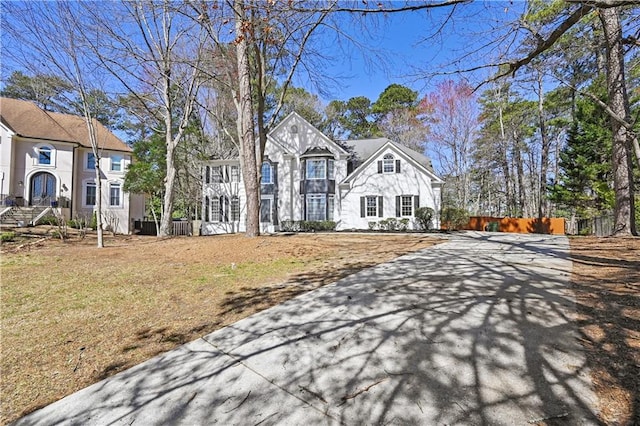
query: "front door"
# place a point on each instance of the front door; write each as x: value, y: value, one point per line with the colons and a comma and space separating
x: 43, y: 189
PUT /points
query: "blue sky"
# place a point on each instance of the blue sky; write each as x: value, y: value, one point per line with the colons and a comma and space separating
x: 412, y: 50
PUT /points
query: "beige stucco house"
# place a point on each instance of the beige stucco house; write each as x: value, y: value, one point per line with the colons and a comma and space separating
x: 46, y: 161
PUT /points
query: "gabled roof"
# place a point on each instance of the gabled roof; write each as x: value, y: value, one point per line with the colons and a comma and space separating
x: 26, y: 119
x: 368, y: 150
x: 365, y: 148
x: 295, y: 116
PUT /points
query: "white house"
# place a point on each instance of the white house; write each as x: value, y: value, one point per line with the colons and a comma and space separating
x: 308, y: 177
x: 46, y: 160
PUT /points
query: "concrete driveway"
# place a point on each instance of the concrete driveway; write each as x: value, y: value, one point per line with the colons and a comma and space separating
x: 475, y: 331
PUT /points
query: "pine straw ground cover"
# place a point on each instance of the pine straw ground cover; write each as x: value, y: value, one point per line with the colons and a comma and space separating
x: 606, y: 280
x: 72, y: 314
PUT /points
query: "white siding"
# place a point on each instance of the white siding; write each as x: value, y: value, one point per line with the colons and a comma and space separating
x: 410, y: 181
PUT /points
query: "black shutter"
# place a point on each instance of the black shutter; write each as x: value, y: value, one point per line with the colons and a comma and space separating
x: 207, y: 174
x: 226, y: 209
x: 207, y: 206
x: 362, y: 207
x: 397, y: 166
x: 398, y: 206
x: 380, y: 207
x: 379, y: 166
x: 303, y: 171
x: 416, y: 203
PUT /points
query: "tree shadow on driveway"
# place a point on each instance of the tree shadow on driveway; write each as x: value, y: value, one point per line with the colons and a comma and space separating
x: 477, y: 331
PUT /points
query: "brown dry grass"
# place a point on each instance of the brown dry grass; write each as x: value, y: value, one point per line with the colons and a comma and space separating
x: 606, y: 279
x: 73, y: 314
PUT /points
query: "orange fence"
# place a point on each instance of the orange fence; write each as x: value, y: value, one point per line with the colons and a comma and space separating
x: 528, y: 225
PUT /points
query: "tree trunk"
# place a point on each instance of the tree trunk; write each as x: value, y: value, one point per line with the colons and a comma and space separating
x: 166, y: 220
x: 544, y: 156
x: 248, y: 155
x: 99, y: 231
x: 624, y: 220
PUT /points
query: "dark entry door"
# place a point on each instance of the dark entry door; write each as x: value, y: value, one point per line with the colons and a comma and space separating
x: 43, y: 189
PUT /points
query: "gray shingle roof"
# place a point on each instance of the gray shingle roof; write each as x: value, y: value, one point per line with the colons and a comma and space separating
x: 365, y: 148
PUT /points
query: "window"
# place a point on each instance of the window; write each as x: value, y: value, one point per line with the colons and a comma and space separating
x: 265, y: 210
x: 90, y: 194
x: 388, y: 164
x: 91, y: 161
x: 215, y: 210
x: 331, y: 165
x: 371, y: 206
x: 235, y: 208
x: 406, y: 205
x: 114, y: 194
x: 216, y: 174
x: 316, y: 207
x: 44, y: 155
x: 235, y: 173
x: 316, y: 169
x: 330, y: 207
x: 267, y: 176
x: 116, y: 163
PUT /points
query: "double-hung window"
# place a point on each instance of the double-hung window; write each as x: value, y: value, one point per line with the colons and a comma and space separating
x: 316, y: 169
x: 91, y: 161
x: 331, y: 166
x: 114, y: 194
x: 316, y: 207
x: 235, y: 173
x: 90, y: 194
x: 216, y: 174
x: 371, y: 206
x: 235, y: 208
x: 215, y: 209
x: 406, y: 205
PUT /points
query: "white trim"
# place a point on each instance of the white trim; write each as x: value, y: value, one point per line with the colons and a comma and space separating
x: 85, y: 182
x: 374, y: 157
x: 52, y: 159
x: 121, y: 195
x: 299, y: 117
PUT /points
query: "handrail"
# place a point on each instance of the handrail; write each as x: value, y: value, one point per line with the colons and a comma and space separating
x: 41, y: 215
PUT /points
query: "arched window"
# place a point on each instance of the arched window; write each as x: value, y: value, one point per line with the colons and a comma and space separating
x: 267, y: 176
x: 44, y: 155
x: 388, y: 164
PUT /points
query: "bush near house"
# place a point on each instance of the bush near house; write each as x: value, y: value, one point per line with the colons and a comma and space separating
x: 424, y: 216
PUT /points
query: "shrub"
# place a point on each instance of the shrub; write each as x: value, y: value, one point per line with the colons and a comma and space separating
x: 454, y: 218
x: 424, y: 216
x: 7, y: 237
x: 49, y: 220
x: 372, y: 226
x: 389, y: 224
x: 403, y: 225
x: 316, y: 226
x: 290, y: 226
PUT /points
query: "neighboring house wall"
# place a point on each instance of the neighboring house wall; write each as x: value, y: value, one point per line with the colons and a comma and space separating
x: 42, y: 171
x: 118, y: 211
x: 224, y: 200
x: 6, y: 154
x: 44, y: 161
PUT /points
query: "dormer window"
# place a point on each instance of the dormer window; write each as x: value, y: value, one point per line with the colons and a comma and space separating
x: 388, y: 164
x: 44, y: 155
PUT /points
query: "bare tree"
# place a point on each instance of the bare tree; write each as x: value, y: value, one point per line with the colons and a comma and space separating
x: 155, y: 54
x: 49, y: 38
